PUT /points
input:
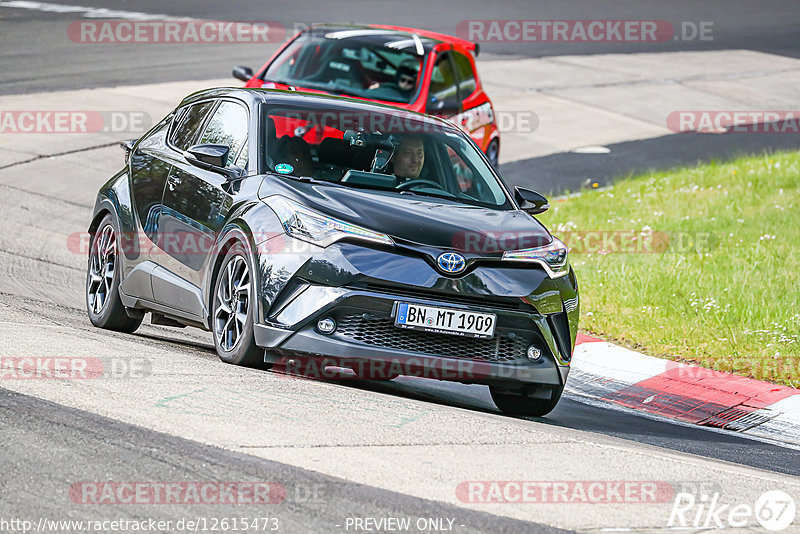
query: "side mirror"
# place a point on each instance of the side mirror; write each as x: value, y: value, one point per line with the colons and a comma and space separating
x: 212, y: 158
x: 530, y: 201
x: 444, y: 106
x: 242, y: 73
x: 127, y: 147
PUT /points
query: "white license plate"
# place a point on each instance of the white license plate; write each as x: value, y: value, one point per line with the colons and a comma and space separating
x: 444, y: 320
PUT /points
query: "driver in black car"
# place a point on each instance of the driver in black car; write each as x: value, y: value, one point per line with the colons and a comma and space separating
x: 409, y: 159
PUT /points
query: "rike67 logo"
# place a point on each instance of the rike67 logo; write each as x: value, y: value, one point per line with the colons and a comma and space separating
x: 774, y: 510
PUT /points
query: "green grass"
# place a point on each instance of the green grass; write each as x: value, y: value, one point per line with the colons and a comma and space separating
x: 723, y: 292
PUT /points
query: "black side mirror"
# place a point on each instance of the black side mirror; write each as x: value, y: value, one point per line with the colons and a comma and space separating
x: 211, y: 155
x: 212, y: 158
x: 530, y: 201
x: 242, y: 73
x: 444, y: 106
x: 127, y: 147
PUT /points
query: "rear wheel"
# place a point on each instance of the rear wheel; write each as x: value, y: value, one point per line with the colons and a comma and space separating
x: 524, y: 402
x: 234, y: 311
x: 103, y: 276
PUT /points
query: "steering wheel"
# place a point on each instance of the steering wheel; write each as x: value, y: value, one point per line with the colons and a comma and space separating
x: 412, y: 183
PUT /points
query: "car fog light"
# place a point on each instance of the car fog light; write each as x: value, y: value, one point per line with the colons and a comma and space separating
x: 534, y: 353
x: 326, y: 326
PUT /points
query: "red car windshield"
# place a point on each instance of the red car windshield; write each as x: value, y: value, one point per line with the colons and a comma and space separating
x: 363, y: 63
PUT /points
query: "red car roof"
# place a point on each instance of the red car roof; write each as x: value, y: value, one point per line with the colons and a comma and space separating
x: 469, y: 45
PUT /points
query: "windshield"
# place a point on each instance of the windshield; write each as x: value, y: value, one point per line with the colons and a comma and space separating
x: 367, y: 64
x: 396, y: 151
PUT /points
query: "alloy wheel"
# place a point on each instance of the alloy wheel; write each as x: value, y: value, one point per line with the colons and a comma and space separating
x: 102, y: 265
x: 232, y: 303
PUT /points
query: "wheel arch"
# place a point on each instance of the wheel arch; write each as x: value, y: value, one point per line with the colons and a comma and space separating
x: 98, y: 217
x: 234, y: 232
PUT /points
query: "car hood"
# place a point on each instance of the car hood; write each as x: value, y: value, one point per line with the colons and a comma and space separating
x: 417, y: 220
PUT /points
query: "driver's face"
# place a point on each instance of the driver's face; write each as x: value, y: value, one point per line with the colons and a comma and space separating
x: 406, y: 82
x: 410, y: 158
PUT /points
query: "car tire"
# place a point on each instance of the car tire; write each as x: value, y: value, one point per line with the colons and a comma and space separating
x: 103, y: 276
x: 233, y: 311
x: 493, y: 154
x: 521, y: 404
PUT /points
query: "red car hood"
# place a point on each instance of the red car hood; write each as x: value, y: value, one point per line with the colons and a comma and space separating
x: 273, y: 85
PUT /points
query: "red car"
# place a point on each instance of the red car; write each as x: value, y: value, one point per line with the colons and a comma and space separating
x: 408, y: 68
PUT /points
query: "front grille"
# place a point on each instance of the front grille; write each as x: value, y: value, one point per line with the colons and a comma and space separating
x: 383, y: 333
x: 514, y: 304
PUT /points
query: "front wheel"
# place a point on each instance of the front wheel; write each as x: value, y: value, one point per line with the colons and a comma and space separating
x: 524, y: 403
x: 234, y: 311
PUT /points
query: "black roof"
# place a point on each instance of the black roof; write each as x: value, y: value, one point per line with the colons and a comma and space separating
x: 288, y: 98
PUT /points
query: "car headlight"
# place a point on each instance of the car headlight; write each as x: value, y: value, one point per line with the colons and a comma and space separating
x: 552, y: 257
x: 314, y: 227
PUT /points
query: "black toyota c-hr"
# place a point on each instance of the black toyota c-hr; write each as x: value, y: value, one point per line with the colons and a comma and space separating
x: 315, y: 232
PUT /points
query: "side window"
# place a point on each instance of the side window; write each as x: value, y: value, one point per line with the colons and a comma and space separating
x: 187, y: 122
x: 443, y: 80
x: 470, y: 182
x: 228, y: 127
x: 466, y: 77
x: 462, y: 173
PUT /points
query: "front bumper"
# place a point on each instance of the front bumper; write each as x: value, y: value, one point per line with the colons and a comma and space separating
x: 366, y: 336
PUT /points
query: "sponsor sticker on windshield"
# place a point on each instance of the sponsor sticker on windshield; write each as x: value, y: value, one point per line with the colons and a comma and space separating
x: 283, y: 168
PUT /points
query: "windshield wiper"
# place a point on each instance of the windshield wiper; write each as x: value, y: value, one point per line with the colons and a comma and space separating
x: 448, y: 196
x: 281, y: 82
x: 304, y: 179
x: 338, y: 89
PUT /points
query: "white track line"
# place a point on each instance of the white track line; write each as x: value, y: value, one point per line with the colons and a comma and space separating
x: 88, y: 12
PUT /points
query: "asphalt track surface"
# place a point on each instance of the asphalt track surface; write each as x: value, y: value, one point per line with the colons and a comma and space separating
x: 48, y: 446
x: 40, y: 432
x: 36, y: 53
